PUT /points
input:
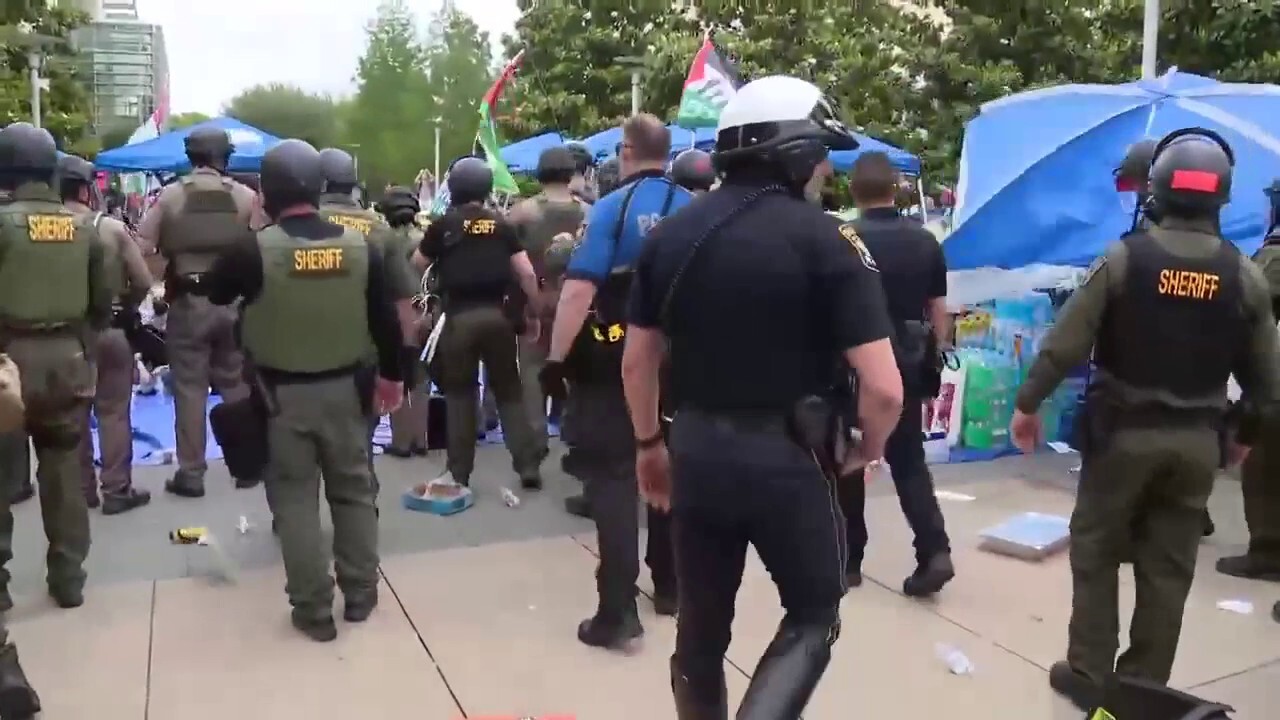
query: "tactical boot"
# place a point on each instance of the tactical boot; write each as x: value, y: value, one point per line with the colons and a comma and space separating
x: 185, y: 486
x: 1209, y: 527
x: 578, y: 505
x: 248, y: 483
x: 929, y: 577
x: 25, y: 493
x: 788, y: 673
x: 18, y: 700
x: 359, y: 606
x: 602, y: 632
x: 1250, y: 567
x: 318, y: 629
x: 665, y: 601
x: 691, y: 707
x: 130, y: 498
x: 67, y: 597
x: 1074, y: 685
x: 532, y: 481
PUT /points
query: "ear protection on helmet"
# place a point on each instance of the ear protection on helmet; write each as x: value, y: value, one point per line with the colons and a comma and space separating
x: 1198, y: 132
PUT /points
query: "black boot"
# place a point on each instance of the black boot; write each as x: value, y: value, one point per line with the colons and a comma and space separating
x: 691, y: 707
x: 1250, y: 567
x: 665, y: 600
x: 604, y: 632
x: 18, y: 700
x: 578, y: 505
x: 929, y: 577
x: 248, y: 483
x: 116, y: 503
x: 25, y: 493
x: 1209, y: 527
x: 788, y: 672
x: 318, y: 629
x: 1074, y: 685
x: 358, y: 606
x: 185, y: 486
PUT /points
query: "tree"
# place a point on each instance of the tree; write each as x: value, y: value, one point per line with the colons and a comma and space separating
x: 186, y: 120
x: 459, y: 69
x: 389, y: 123
x: 116, y: 135
x: 1230, y: 40
x: 65, y: 107
x: 287, y: 111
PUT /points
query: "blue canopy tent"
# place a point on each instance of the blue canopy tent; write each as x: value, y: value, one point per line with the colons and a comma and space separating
x: 904, y: 161
x: 522, y: 156
x: 1036, y: 173
x: 167, y: 153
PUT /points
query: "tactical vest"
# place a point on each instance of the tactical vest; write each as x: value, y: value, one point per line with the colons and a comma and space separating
x: 552, y: 219
x: 1177, y: 323
x: 351, y: 217
x: 117, y: 278
x: 475, y: 265
x: 208, y: 223
x: 44, y: 274
x: 312, y: 313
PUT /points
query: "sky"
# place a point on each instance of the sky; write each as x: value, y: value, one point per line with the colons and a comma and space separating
x: 217, y: 49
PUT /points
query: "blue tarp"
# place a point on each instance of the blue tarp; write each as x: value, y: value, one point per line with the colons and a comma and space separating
x: 167, y: 153
x: 904, y: 161
x: 523, y: 156
x: 1036, y: 173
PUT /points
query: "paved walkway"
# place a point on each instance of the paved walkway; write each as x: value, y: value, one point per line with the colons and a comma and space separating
x: 479, y: 611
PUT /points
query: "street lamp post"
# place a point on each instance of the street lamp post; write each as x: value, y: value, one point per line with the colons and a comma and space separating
x: 636, y: 64
x: 1150, y: 38
x: 35, y: 44
x: 438, y: 121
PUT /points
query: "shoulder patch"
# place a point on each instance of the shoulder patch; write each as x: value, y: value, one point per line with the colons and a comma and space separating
x: 850, y: 234
x: 1093, y: 269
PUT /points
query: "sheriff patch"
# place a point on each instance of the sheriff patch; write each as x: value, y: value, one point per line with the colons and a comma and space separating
x: 848, y: 232
x: 319, y: 262
x: 364, y: 226
x: 51, y: 228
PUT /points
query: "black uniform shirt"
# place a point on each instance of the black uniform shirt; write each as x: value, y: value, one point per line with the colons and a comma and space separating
x: 477, y: 270
x: 912, y: 267
x: 764, y: 310
x: 237, y: 273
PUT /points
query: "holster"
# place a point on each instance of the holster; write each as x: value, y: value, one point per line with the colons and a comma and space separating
x: 814, y: 425
x: 366, y: 377
x: 1094, y: 424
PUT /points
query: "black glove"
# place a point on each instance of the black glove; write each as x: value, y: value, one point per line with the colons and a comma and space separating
x: 551, y: 378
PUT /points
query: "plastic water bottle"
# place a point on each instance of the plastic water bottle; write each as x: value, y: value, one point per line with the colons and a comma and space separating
x: 957, y: 662
x: 510, y: 498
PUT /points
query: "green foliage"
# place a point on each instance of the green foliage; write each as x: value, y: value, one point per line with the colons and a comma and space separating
x: 287, y: 111
x: 185, y: 120
x: 459, y: 64
x: 114, y: 136
x: 65, y: 107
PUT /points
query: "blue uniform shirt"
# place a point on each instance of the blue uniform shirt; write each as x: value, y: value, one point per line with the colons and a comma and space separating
x: 600, y: 252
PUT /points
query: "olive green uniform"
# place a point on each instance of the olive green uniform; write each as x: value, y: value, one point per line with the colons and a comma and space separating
x: 319, y: 428
x: 54, y: 292
x: 15, y: 448
x: 539, y: 221
x: 1157, y: 472
x: 1260, y: 475
x: 409, y: 422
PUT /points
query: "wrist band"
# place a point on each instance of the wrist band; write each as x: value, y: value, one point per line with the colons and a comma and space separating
x: 650, y: 442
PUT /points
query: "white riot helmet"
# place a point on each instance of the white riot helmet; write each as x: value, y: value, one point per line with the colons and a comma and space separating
x: 784, y: 122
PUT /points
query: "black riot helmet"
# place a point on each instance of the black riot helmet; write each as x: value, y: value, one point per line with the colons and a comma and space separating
x: 73, y: 174
x: 291, y: 175
x: 470, y: 180
x: 692, y: 170
x: 209, y: 147
x: 608, y: 176
x: 583, y: 160
x: 1132, y: 175
x: 339, y: 170
x: 557, y: 166
x: 1191, y: 174
x: 782, y: 125
x: 399, y: 206
x: 27, y: 154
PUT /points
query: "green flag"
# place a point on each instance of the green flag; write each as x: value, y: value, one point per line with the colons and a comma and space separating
x: 709, y: 85
x: 487, y: 134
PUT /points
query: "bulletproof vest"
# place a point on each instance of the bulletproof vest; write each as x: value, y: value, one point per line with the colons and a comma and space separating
x: 111, y: 256
x: 1177, y: 324
x: 44, y: 274
x: 475, y: 261
x: 311, y: 316
x: 350, y: 216
x: 1268, y: 260
x: 551, y: 219
x: 208, y: 223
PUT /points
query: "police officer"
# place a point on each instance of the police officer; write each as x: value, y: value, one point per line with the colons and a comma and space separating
x: 914, y: 275
x: 1172, y: 312
x: 54, y: 292
x: 1261, y: 468
x: 15, y: 448
x: 608, y: 176
x: 586, y: 347
x: 113, y: 396
x: 314, y: 301
x: 583, y: 163
x: 476, y: 254
x: 538, y: 221
x: 756, y: 252
x: 191, y: 222
x: 338, y: 205
x: 400, y: 207
x: 693, y: 171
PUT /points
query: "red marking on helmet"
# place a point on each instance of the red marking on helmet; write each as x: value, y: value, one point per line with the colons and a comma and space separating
x: 1195, y: 181
x: 1126, y: 184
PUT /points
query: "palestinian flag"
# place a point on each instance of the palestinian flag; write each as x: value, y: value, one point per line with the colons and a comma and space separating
x: 487, y: 135
x: 711, y: 82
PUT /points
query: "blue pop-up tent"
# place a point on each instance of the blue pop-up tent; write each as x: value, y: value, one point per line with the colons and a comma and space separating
x: 1036, y: 172
x: 522, y: 156
x: 168, y: 154
x: 904, y: 161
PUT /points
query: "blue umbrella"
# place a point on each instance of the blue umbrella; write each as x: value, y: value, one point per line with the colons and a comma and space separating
x: 167, y: 153
x: 522, y: 156
x: 1036, y: 173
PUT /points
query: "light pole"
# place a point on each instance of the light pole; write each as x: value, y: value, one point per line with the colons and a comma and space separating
x: 35, y: 45
x: 636, y: 64
x: 1150, y: 38
x: 438, y: 121
x: 355, y: 156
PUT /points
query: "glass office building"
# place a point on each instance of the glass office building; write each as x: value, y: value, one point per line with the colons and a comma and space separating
x: 124, y: 63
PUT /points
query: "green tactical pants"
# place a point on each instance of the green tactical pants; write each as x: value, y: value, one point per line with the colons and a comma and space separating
x: 1157, y: 481
x: 322, y: 431
x: 1260, y: 483
x: 471, y: 336
x: 15, y: 462
x: 57, y: 385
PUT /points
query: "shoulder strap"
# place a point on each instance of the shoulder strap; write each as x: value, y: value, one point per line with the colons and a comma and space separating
x: 671, y: 196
